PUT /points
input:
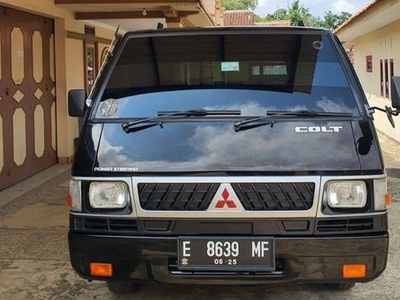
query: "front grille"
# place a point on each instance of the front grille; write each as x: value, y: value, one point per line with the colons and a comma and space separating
x: 345, y: 225
x: 253, y: 196
x: 97, y: 225
x: 275, y: 196
x: 176, y: 196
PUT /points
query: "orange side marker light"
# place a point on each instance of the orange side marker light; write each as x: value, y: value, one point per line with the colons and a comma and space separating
x: 101, y: 269
x: 388, y: 199
x: 68, y: 200
x: 354, y: 271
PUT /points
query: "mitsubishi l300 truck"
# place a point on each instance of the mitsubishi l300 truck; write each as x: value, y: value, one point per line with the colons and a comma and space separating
x: 227, y: 156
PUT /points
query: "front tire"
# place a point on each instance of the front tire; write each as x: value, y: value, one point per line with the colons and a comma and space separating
x: 121, y: 287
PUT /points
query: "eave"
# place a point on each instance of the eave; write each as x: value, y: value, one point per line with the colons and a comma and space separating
x: 375, y: 15
x: 131, y: 12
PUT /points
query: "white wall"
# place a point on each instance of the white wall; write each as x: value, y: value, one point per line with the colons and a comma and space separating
x: 383, y: 43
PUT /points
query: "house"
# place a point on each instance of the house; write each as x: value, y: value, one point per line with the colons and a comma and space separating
x: 375, y: 33
x: 246, y: 18
x: 50, y: 46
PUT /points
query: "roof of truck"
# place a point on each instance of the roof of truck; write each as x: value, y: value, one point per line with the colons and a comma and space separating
x: 227, y: 29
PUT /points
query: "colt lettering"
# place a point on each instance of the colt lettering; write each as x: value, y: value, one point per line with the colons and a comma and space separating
x: 314, y: 129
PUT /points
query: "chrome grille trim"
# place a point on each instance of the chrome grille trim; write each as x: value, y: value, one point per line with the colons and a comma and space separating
x: 315, y: 210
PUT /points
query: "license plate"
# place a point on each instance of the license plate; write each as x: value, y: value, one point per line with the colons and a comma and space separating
x: 226, y: 253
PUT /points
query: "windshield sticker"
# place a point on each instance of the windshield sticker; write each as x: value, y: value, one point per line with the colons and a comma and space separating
x: 230, y: 66
x: 317, y: 45
x: 109, y: 107
x: 116, y: 169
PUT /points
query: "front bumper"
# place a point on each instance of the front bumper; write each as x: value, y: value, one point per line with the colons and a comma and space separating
x: 298, y: 259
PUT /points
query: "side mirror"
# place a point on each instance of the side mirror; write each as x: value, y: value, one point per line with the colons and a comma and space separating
x: 395, y: 92
x: 76, y: 103
x: 395, y: 88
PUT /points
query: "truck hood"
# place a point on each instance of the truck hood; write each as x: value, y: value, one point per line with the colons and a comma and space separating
x: 215, y: 147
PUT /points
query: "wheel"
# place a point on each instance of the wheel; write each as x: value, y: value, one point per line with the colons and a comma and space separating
x: 121, y: 287
x: 341, y: 286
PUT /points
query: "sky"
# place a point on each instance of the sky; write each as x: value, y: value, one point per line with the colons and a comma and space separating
x: 316, y: 7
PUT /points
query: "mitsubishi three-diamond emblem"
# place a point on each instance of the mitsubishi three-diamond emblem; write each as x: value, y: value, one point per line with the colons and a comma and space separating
x: 225, y: 199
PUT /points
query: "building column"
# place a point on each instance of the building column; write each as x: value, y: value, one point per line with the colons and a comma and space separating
x: 64, y: 141
x: 219, y: 13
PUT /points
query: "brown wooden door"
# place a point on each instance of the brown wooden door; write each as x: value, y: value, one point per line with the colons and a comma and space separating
x: 27, y: 95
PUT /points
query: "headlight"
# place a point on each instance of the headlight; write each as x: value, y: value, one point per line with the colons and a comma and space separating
x: 347, y: 194
x: 108, y: 195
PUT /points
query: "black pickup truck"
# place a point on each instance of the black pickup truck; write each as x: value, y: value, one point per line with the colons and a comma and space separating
x: 228, y: 156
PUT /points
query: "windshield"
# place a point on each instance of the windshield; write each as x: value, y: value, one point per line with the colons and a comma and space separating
x: 185, y: 102
x: 252, y: 73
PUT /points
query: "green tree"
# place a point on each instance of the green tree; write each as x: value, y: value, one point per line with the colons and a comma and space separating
x: 297, y: 13
x: 278, y: 15
x: 239, y: 4
x: 294, y: 13
x: 333, y: 21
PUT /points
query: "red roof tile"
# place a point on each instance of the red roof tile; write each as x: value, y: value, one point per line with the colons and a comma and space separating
x: 238, y: 18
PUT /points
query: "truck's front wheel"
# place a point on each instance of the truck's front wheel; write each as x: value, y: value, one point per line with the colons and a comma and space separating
x: 121, y: 287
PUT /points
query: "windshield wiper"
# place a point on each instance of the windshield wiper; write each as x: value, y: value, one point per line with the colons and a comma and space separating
x: 134, y: 126
x: 273, y: 116
x: 308, y: 113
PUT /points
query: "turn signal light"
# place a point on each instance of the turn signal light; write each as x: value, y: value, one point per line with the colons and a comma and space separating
x: 101, y: 269
x: 354, y: 271
x: 388, y: 199
x: 68, y: 200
